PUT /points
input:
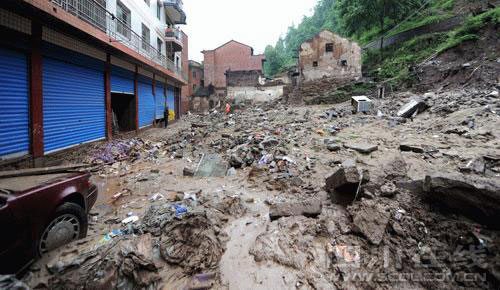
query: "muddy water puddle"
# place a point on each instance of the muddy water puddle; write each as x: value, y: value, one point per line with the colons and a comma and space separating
x: 238, y: 268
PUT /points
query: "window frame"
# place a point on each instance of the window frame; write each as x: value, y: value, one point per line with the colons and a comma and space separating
x: 146, y: 39
x: 123, y: 23
x: 158, y: 10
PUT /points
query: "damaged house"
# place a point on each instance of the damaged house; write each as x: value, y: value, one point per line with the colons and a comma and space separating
x: 251, y: 86
x: 329, y: 55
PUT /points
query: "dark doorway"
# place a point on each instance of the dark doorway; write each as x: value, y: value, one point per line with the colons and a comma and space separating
x: 123, y: 106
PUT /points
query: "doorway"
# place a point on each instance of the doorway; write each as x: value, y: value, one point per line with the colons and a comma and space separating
x: 123, y: 107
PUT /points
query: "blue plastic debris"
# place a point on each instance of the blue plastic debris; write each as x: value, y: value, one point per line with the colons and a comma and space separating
x: 180, y: 210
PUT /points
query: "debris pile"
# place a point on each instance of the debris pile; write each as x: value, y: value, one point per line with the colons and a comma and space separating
x: 191, y: 242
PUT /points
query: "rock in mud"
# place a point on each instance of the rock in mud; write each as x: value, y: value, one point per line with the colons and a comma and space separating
x: 188, y: 171
x: 475, y: 197
x: 308, y: 208
x: 408, y: 147
x: 192, y: 243
x: 333, y: 147
x: 362, y: 147
x: 345, y: 180
x: 370, y: 219
x: 388, y: 190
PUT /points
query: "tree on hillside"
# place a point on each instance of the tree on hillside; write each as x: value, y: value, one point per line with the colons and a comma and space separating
x: 361, y: 15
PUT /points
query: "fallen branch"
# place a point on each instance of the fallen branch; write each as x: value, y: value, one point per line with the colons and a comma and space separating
x: 43, y: 170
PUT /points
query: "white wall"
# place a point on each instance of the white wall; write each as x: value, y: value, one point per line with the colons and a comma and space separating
x: 142, y: 13
x: 254, y: 94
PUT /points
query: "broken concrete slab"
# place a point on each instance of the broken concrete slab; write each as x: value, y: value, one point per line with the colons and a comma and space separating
x: 308, y: 208
x: 475, y: 197
x: 413, y: 107
x: 361, y: 147
x: 371, y: 220
x: 212, y: 165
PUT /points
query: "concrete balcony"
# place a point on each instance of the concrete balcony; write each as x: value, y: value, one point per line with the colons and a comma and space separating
x: 94, y: 13
x: 173, y: 38
x: 174, y: 10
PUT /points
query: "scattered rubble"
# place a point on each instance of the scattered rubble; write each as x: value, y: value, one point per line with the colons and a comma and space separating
x: 264, y: 172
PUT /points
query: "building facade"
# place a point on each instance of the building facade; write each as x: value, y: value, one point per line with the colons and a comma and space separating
x: 195, y: 76
x: 329, y: 55
x: 231, y: 56
x: 72, y: 70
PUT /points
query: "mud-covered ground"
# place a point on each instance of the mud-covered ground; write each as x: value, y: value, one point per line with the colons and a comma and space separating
x: 201, y: 232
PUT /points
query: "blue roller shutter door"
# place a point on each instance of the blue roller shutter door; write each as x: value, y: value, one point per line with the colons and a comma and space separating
x: 160, y: 100
x: 73, y: 105
x: 146, y: 102
x: 171, y: 103
x: 122, y: 80
x: 14, y: 104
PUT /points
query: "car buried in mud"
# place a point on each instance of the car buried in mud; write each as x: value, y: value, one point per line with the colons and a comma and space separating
x: 40, y: 213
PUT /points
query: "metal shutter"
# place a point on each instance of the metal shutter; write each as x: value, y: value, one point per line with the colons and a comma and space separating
x: 74, y: 110
x: 122, y: 80
x: 160, y: 100
x: 171, y: 103
x: 14, y: 104
x: 146, y: 103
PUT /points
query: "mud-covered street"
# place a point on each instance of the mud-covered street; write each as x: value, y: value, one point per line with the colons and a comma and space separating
x: 289, y: 197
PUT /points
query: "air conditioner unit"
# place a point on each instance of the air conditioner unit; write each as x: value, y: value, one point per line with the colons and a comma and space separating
x: 361, y: 104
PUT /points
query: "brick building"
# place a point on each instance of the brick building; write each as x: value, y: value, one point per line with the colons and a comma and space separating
x: 329, y: 55
x: 231, y: 56
x: 71, y: 70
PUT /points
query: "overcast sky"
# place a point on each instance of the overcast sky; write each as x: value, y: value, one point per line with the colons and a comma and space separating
x: 211, y: 23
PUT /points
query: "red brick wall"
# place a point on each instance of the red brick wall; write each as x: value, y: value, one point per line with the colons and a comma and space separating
x: 209, y: 67
x: 232, y: 56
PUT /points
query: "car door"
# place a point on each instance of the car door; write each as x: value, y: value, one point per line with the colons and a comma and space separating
x: 13, y: 253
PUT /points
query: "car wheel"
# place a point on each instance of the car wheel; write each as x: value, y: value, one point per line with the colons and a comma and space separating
x: 68, y: 223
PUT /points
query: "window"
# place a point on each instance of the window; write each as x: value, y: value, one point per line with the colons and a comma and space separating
x: 194, y: 87
x: 147, y: 2
x: 177, y: 62
x: 160, y: 46
x: 145, y: 37
x: 194, y: 75
x: 329, y: 47
x: 344, y: 62
x: 124, y: 20
x: 315, y: 64
x: 158, y: 10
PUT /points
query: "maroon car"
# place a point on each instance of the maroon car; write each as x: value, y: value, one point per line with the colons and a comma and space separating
x: 40, y: 213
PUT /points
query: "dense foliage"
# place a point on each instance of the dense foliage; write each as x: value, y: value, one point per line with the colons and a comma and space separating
x: 351, y: 18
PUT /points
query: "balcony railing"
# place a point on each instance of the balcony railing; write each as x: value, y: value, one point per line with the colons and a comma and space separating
x: 95, y: 13
x: 175, y: 33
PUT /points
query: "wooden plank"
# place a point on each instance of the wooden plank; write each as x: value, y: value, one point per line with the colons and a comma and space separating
x: 43, y: 170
